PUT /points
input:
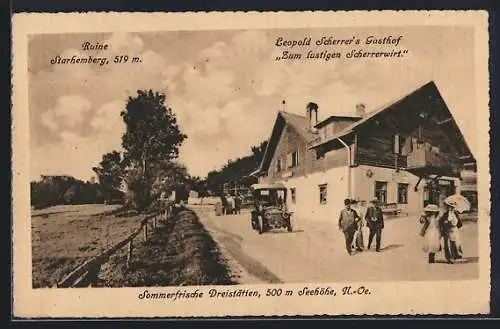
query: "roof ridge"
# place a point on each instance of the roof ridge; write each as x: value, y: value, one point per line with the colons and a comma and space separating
x: 294, y: 114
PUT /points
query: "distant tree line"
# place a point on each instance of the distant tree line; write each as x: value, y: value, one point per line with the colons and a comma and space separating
x: 236, y: 171
x: 57, y: 190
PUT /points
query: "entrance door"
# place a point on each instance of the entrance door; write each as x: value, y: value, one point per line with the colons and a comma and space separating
x: 436, y: 192
x: 446, y: 188
x: 431, y: 193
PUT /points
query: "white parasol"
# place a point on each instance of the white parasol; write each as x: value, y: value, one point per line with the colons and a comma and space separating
x: 459, y: 202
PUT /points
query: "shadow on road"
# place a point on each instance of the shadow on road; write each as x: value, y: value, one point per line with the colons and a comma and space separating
x: 464, y: 260
x: 391, y: 246
x: 285, y: 232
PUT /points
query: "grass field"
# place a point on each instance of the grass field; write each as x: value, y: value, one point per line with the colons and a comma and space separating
x: 63, y: 237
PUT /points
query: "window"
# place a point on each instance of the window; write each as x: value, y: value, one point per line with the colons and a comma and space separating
x: 294, y: 159
x: 400, y: 144
x: 278, y: 165
x: 293, y: 194
x: 381, y: 192
x: 407, y: 145
x: 322, y: 194
x: 402, y: 193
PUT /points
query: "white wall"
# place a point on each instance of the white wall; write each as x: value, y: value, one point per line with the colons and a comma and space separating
x: 308, y: 205
x: 211, y: 200
x: 364, y: 186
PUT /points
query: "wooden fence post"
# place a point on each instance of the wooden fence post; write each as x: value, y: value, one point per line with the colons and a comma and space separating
x: 93, y: 274
x: 145, y: 231
x: 129, y: 254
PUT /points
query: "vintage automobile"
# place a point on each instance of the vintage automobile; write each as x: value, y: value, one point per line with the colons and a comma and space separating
x: 270, y: 210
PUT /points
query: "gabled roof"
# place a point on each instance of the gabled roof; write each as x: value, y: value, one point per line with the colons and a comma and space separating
x: 429, y: 93
x: 298, y: 122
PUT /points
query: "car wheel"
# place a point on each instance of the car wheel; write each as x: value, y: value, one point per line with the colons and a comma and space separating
x: 260, y: 224
x: 252, y: 222
x: 289, y: 227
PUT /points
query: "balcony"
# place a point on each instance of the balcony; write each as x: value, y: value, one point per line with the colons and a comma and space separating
x: 422, y: 161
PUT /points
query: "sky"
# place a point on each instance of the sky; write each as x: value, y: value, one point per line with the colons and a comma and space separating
x: 225, y: 87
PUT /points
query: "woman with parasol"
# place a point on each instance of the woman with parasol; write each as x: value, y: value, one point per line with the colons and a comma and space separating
x: 450, y: 225
x: 430, y: 231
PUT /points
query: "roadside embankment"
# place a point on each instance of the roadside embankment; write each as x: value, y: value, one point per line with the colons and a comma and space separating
x: 179, y: 252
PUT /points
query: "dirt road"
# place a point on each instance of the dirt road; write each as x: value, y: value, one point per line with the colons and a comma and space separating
x: 315, y: 252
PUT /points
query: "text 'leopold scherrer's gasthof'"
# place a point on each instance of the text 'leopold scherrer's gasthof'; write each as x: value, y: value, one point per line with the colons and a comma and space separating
x: 332, y: 41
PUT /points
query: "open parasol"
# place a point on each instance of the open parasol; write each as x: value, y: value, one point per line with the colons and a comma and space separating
x: 459, y: 202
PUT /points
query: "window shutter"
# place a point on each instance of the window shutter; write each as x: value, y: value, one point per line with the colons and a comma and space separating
x: 289, y: 160
x: 396, y: 143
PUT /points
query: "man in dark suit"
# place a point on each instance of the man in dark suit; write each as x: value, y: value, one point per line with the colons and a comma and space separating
x: 375, y: 222
x: 237, y: 204
x: 348, y: 223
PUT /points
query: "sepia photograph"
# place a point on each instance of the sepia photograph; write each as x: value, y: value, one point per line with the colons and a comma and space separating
x: 267, y: 162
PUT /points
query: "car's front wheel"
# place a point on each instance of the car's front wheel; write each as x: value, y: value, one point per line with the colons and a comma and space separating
x: 260, y: 224
x: 289, y: 227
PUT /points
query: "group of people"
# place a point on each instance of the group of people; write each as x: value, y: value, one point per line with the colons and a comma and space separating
x: 436, y: 227
x: 445, y: 227
x: 352, y: 221
x: 230, y: 204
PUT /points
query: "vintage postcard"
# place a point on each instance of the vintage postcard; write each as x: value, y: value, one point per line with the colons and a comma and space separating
x: 250, y: 164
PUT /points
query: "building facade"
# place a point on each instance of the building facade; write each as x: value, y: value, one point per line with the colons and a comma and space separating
x: 407, y: 154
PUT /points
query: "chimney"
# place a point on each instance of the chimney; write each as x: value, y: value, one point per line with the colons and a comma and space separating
x: 360, y: 110
x: 312, y: 115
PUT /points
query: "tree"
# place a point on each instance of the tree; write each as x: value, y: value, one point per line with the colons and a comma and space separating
x: 110, y: 174
x: 152, y: 138
x: 237, y: 170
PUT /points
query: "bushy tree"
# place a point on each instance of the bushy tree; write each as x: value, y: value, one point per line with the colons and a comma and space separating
x: 152, y: 138
x: 110, y: 175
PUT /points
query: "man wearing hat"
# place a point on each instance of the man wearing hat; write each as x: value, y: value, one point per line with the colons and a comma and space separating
x: 449, y: 224
x: 348, y: 223
x: 375, y: 222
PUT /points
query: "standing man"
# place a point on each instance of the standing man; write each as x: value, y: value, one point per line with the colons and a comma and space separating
x: 348, y: 223
x: 375, y: 221
x: 237, y: 203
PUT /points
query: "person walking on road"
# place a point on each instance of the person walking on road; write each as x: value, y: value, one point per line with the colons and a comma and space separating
x: 230, y: 205
x: 449, y: 224
x: 223, y: 200
x: 348, y: 221
x: 430, y: 231
x: 237, y: 204
x: 375, y: 221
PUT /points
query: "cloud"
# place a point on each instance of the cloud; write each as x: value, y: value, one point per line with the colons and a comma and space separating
x: 75, y: 154
x: 120, y: 42
x: 107, y: 118
x: 225, y: 90
x: 68, y: 113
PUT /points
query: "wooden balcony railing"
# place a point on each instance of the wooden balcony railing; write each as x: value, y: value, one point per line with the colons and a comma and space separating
x: 426, y: 158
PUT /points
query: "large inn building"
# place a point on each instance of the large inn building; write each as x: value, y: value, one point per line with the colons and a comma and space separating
x: 406, y: 154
